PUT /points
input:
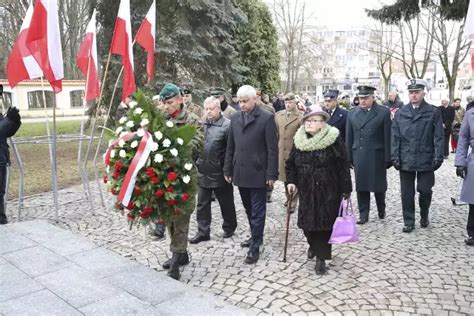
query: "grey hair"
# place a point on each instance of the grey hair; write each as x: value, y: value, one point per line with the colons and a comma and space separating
x: 247, y: 91
x: 469, y: 98
x: 214, y: 100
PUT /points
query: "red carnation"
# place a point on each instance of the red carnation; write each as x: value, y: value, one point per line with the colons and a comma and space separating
x: 185, y: 197
x: 172, y: 176
x: 170, y: 189
x: 146, y: 212
x: 118, y: 166
x: 155, y: 180
x: 137, y: 191
x: 171, y: 202
x: 150, y: 172
x: 105, y: 179
x: 159, y: 193
x: 114, y: 192
x: 116, y: 175
x: 130, y: 205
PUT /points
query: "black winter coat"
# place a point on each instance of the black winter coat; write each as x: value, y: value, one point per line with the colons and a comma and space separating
x: 447, y: 114
x: 8, y: 128
x: 417, y: 137
x: 321, y: 176
x: 338, y: 120
x: 210, y: 163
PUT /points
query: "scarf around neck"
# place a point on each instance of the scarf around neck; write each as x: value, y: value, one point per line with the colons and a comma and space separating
x: 324, y: 138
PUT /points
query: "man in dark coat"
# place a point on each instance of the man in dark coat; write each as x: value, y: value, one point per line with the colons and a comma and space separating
x: 447, y: 114
x: 417, y: 151
x: 251, y: 162
x: 279, y: 104
x: 210, y: 166
x: 368, y: 149
x: 337, y: 116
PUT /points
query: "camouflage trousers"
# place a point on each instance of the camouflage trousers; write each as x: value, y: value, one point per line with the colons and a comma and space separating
x: 179, y: 234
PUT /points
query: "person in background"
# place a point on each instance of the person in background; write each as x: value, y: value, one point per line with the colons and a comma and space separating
x: 219, y: 93
x: 470, y: 102
x: 447, y: 114
x: 458, y: 118
x: 355, y: 102
x: 337, y: 116
x: 307, y: 101
x: 279, y: 104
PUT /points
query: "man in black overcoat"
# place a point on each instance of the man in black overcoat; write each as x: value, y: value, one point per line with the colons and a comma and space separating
x: 337, y: 115
x: 251, y: 163
x: 368, y: 149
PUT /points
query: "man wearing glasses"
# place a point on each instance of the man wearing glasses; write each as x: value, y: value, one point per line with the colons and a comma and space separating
x: 368, y: 150
x: 417, y: 152
x: 337, y: 116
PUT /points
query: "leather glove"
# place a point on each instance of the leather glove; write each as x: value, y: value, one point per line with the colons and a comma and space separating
x: 396, y: 164
x: 13, y: 114
x: 461, y: 172
x: 388, y: 165
x: 346, y: 196
x: 437, y: 164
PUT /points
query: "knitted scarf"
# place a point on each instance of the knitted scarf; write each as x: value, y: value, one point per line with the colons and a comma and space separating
x: 324, y: 138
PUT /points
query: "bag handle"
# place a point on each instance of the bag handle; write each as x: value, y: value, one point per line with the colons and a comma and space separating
x: 346, y: 207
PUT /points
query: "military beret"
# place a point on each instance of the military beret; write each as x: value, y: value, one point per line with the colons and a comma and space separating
x: 217, y: 92
x: 416, y: 84
x: 365, y: 91
x: 331, y: 94
x: 169, y: 91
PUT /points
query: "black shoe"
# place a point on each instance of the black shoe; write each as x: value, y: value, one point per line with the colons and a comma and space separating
x: 182, y: 260
x: 228, y: 234
x: 174, y: 266
x: 453, y: 151
x: 198, y: 238
x: 424, y: 222
x: 292, y: 210
x: 408, y: 228
x: 311, y: 253
x: 382, y: 215
x: 252, y: 258
x: 320, y: 267
x: 246, y: 243
x: 362, y: 220
x: 269, y: 199
x: 3, y: 221
x: 469, y: 241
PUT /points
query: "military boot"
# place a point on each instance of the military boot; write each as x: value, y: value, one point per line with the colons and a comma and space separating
x: 174, y: 266
x: 3, y: 216
x: 182, y: 260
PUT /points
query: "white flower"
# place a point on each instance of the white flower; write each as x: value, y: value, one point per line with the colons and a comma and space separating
x: 144, y: 122
x: 123, y: 120
x: 158, y: 158
x: 112, y: 153
x: 119, y: 130
x: 122, y: 153
x: 154, y: 146
x: 179, y: 141
x: 134, y: 144
x: 186, y: 179
x: 188, y: 166
x: 121, y: 143
x: 107, y: 169
x: 138, y: 111
x: 132, y: 104
x: 130, y: 124
x: 141, y: 132
x: 169, y: 124
x: 158, y: 135
x: 123, y: 134
x: 156, y: 97
x: 174, y: 152
x: 166, y: 143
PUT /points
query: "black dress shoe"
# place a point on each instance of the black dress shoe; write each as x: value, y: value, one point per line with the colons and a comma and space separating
x: 408, y: 228
x: 382, y: 215
x: 252, y: 258
x: 469, y: 241
x: 228, y: 234
x: 320, y: 267
x: 246, y: 243
x: 198, y: 238
x: 363, y: 220
x: 424, y: 222
x: 311, y: 253
x: 183, y: 259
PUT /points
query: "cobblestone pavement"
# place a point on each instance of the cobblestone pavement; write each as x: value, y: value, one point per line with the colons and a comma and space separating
x: 429, y: 271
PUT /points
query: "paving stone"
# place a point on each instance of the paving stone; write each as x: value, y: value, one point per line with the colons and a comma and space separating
x: 15, y: 283
x: 123, y: 304
x: 13, y: 241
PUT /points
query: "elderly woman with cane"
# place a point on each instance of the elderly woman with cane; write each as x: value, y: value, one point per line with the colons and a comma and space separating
x: 319, y: 170
x: 464, y: 163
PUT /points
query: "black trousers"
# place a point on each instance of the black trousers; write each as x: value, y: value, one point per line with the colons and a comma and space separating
x: 3, y: 183
x: 363, y: 200
x: 470, y: 221
x: 447, y: 135
x: 255, y: 204
x: 318, y: 242
x: 425, y: 181
x: 225, y: 197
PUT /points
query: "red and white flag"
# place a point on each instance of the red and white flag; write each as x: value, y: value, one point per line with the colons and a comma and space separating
x: 122, y: 45
x: 21, y: 65
x: 87, y: 60
x: 146, y: 38
x: 44, y: 42
x: 469, y: 29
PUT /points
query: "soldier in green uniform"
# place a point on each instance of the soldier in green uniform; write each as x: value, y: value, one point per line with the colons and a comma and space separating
x: 219, y: 93
x: 189, y: 106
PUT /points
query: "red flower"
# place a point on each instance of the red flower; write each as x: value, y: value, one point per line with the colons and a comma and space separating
x: 150, y: 172
x: 130, y: 205
x: 119, y: 205
x: 118, y: 166
x: 172, y: 176
x: 130, y: 215
x: 159, y: 193
x: 146, y: 212
x: 155, y: 180
x: 185, y: 197
x: 114, y: 192
x: 105, y: 179
x: 171, y: 202
x: 137, y: 191
x: 170, y: 189
x: 116, y: 175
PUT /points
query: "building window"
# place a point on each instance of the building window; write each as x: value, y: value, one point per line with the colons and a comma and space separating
x: 7, y: 100
x: 36, y: 101
x: 76, y: 97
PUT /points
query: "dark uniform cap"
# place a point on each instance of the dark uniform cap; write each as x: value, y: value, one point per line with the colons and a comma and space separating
x: 416, y: 84
x: 290, y: 96
x: 217, y: 92
x: 365, y: 91
x: 169, y: 91
x: 331, y: 94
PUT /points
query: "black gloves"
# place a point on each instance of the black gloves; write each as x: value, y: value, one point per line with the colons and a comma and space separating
x: 461, y: 172
x: 396, y: 164
x: 437, y: 164
x: 13, y: 114
x: 388, y: 165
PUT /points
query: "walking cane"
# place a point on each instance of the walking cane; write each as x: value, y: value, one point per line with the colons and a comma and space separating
x: 288, y: 213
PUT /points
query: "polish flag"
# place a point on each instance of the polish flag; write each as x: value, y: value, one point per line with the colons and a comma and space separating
x: 21, y: 65
x: 44, y: 42
x: 146, y: 38
x: 87, y: 60
x: 122, y: 45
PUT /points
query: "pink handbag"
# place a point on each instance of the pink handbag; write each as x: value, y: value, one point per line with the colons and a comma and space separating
x: 344, y: 229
